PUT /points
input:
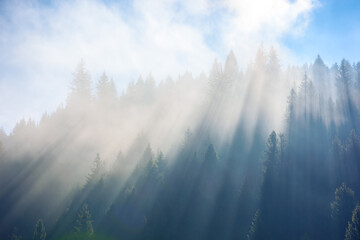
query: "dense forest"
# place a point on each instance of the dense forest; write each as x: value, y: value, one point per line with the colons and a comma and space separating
x: 267, y: 152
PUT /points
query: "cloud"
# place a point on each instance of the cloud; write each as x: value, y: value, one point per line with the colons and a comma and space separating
x: 42, y: 43
x: 255, y: 21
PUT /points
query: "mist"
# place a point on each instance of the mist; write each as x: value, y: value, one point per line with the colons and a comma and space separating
x: 102, y: 137
x: 176, y: 120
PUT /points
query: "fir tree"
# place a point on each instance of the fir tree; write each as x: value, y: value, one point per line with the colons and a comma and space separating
x: 253, y: 231
x: 81, y: 85
x: 39, y: 232
x: 83, y: 223
x: 353, y: 229
x: 342, y: 207
x: 15, y: 234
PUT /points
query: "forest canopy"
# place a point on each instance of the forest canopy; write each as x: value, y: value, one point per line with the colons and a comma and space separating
x: 266, y: 152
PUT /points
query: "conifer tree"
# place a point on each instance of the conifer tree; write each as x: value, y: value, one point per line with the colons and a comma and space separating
x: 273, y: 65
x: 83, y: 224
x: 39, y: 232
x: 231, y: 69
x: 272, y: 152
x: 216, y: 86
x: 253, y: 231
x: 15, y: 234
x: 210, y: 158
x: 80, y: 86
x: 342, y: 207
x: 97, y: 170
x: 353, y: 229
x: 106, y: 91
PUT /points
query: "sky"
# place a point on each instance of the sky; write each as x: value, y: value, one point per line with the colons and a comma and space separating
x: 41, y: 42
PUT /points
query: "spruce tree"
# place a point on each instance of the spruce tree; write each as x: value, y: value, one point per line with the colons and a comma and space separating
x: 353, y: 229
x: 39, y: 232
x: 342, y: 207
x: 83, y: 223
x: 253, y: 231
x: 15, y: 234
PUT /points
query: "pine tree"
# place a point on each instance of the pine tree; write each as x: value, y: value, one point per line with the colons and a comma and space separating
x: 319, y: 70
x: 39, y: 232
x: 353, y: 144
x: 353, y: 229
x: 273, y: 65
x: 253, y: 231
x: 80, y: 86
x: 106, y: 91
x: 260, y: 59
x: 210, y: 158
x: 97, y: 170
x: 161, y: 164
x: 307, y: 96
x: 291, y: 112
x: 357, y: 77
x: 102, y: 87
x: 342, y: 207
x: 344, y: 87
x: 147, y: 155
x: 272, y: 152
x: 231, y: 69
x: 265, y: 227
x: 83, y: 224
x: 345, y: 75
x: 15, y: 234
x: 188, y: 137
x: 216, y: 86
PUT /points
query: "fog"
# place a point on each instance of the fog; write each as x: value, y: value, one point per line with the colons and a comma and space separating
x: 179, y: 119
x: 108, y: 122
x: 102, y: 135
x: 41, y: 42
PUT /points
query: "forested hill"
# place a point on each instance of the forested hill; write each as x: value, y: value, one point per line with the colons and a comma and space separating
x: 268, y: 152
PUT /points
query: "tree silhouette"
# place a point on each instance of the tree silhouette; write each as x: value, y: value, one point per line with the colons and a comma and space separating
x: 254, y: 229
x: 97, y: 170
x: 80, y: 86
x: 39, y: 232
x: 342, y: 206
x: 15, y: 234
x: 83, y: 224
x: 106, y: 91
x: 353, y: 229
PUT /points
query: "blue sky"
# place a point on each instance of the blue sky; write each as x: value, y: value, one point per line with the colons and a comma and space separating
x: 334, y: 33
x: 41, y: 42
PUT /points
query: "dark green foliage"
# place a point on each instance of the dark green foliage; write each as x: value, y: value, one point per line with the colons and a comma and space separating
x: 15, y: 234
x: 345, y: 74
x: 280, y: 187
x: 83, y: 224
x: 353, y: 229
x: 272, y: 152
x: 106, y: 91
x: 97, y: 170
x: 254, y: 229
x: 262, y: 227
x: 210, y: 157
x: 342, y: 206
x: 357, y: 75
x: 81, y: 84
x: 39, y: 232
x: 161, y: 165
x: 343, y: 203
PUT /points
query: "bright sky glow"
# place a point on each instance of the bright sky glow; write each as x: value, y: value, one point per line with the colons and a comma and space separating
x: 41, y: 42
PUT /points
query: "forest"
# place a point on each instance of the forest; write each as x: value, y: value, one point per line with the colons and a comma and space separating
x: 266, y: 152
